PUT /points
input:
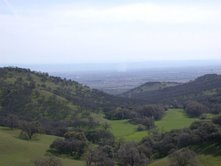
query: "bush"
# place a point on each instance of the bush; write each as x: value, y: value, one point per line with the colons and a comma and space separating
x: 74, y: 148
x: 217, y: 120
x: 184, y: 157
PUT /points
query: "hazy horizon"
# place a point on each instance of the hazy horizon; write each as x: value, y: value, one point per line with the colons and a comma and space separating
x: 117, y: 67
x: 67, y: 32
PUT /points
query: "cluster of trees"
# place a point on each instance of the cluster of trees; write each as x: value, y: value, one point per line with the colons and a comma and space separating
x: 162, y: 144
x: 125, y: 154
x: 152, y: 111
x: 195, y: 109
x: 73, y: 144
x: 183, y: 157
x: 143, y: 115
x: 174, y: 143
x: 205, y: 89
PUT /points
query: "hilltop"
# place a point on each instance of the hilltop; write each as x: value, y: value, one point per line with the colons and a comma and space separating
x: 206, y: 89
x: 148, y: 87
x: 33, y: 95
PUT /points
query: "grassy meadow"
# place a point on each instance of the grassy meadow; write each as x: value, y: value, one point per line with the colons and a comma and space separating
x: 174, y: 119
x: 204, y: 160
x: 17, y: 152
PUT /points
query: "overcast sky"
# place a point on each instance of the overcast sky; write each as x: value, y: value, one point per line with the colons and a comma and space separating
x: 85, y: 31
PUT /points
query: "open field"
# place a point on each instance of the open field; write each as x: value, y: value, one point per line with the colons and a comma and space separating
x: 18, y: 152
x: 174, y: 119
x: 123, y: 129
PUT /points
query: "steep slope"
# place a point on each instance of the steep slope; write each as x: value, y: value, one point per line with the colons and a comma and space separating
x: 34, y: 95
x: 149, y: 87
x: 206, y: 88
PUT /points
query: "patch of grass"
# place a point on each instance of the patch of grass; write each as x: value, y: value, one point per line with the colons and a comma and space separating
x: 174, y: 119
x: 15, y: 151
x: 209, y: 160
x: 125, y: 130
x: 122, y: 129
x: 204, y: 160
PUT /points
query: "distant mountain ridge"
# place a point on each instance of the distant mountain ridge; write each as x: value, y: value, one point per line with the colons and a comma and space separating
x: 149, y: 87
x: 206, y: 88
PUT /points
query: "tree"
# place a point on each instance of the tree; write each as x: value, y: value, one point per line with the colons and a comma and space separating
x: 106, y: 126
x: 183, y: 157
x: 11, y: 121
x: 48, y: 161
x: 152, y: 111
x: 100, y: 156
x: 129, y: 155
x: 74, y: 144
x: 29, y: 129
x: 75, y: 135
x: 195, y: 109
x: 217, y: 120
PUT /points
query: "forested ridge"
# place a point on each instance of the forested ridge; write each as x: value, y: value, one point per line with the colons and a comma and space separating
x: 25, y: 92
x: 205, y: 89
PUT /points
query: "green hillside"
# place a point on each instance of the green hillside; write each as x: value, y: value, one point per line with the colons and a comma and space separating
x: 15, y: 151
x: 204, y: 160
x: 148, y: 87
x: 33, y: 95
x: 205, y: 89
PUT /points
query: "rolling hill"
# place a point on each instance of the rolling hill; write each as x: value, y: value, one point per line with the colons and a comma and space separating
x: 206, y: 89
x: 34, y: 95
x: 149, y: 87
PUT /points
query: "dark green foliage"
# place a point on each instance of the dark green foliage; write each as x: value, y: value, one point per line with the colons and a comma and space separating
x: 195, y: 109
x: 10, y: 121
x: 101, y: 137
x: 152, y: 111
x: 73, y: 147
x: 28, y: 129
x: 217, y: 120
x: 129, y: 155
x: 101, y: 156
x: 74, y: 144
x: 144, y: 115
x: 147, y: 123
x: 119, y: 113
x: 160, y: 145
x: 75, y: 135
x: 148, y: 87
x: 205, y: 89
x: 183, y: 157
x: 33, y: 95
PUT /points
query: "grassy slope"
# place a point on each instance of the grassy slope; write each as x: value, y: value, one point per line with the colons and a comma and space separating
x: 15, y: 151
x: 204, y: 160
x: 174, y: 119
